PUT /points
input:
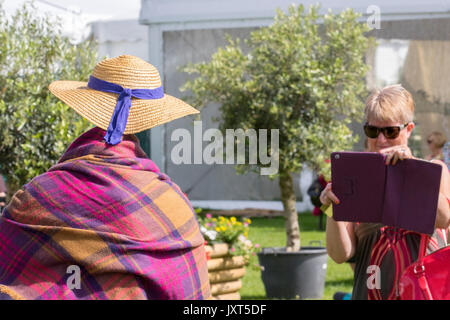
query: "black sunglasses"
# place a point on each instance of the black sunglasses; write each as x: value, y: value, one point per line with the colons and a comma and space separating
x: 389, y: 132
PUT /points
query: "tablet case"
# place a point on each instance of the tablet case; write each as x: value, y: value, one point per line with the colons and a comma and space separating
x: 404, y: 195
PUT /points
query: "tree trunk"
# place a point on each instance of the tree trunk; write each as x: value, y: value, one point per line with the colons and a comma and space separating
x: 290, y: 212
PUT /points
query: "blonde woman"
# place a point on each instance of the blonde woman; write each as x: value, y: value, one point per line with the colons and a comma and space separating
x: 389, y: 117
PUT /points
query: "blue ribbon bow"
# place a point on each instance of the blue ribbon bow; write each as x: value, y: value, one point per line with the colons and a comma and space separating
x: 119, y: 118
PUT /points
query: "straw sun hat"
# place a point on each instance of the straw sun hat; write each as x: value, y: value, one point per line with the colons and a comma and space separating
x: 128, y: 72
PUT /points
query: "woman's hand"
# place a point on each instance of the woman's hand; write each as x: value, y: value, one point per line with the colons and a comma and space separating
x: 327, y: 196
x: 396, y: 153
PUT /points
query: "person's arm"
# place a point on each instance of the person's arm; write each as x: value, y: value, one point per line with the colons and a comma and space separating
x: 443, y: 210
x: 340, y: 240
x: 339, y: 234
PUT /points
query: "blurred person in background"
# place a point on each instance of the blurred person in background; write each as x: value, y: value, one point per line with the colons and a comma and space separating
x: 436, y: 141
x: 2, y: 193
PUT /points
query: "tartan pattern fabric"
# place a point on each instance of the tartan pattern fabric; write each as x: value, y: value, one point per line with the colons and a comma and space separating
x: 108, y: 211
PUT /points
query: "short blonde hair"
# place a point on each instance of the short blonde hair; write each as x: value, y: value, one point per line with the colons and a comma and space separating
x: 392, y: 103
x: 439, y: 139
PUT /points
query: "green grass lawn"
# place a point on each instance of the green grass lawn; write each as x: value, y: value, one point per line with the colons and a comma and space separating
x: 270, y: 232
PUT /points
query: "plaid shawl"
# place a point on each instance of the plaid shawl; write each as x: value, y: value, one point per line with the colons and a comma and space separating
x: 108, y: 211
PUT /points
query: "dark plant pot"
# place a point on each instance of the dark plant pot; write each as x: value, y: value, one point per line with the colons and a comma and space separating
x: 294, y: 275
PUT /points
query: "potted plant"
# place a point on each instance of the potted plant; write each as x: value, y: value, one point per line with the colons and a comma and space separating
x: 304, y: 75
x: 228, y: 251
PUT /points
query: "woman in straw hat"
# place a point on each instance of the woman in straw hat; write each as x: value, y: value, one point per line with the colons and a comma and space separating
x: 104, y: 222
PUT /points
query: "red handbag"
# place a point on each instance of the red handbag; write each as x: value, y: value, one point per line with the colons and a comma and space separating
x: 429, y: 277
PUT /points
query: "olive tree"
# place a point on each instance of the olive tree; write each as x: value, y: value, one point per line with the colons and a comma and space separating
x: 36, y: 127
x: 304, y: 75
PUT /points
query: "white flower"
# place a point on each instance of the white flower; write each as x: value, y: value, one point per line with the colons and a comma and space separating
x: 203, y: 229
x: 211, y: 234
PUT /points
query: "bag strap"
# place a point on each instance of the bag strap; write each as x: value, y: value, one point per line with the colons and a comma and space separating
x: 424, y: 239
x: 419, y: 268
x: 394, y: 240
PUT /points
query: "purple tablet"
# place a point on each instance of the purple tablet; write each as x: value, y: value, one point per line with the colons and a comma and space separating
x: 403, y: 195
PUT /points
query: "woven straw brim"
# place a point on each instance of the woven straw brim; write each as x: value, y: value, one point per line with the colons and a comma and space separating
x: 98, y: 107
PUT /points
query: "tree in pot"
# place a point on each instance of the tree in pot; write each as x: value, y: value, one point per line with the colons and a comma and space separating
x: 303, y: 75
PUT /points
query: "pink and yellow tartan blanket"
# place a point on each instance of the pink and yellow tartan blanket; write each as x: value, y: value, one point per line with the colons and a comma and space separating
x: 108, y: 212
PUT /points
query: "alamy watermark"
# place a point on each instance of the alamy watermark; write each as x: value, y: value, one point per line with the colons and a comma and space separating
x: 374, y: 19
x: 74, y: 280
x: 213, y: 153
x: 374, y: 279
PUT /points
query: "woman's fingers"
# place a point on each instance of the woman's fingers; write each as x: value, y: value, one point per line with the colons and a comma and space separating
x: 333, y: 197
x: 393, y: 154
x: 323, y: 195
x: 327, y: 196
x: 395, y: 157
x: 388, y: 158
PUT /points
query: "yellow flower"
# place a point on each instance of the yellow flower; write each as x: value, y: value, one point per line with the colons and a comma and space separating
x: 223, y: 228
x: 246, y: 234
x: 233, y: 220
x: 214, y: 219
x: 221, y: 218
x: 239, y: 223
x: 217, y: 229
